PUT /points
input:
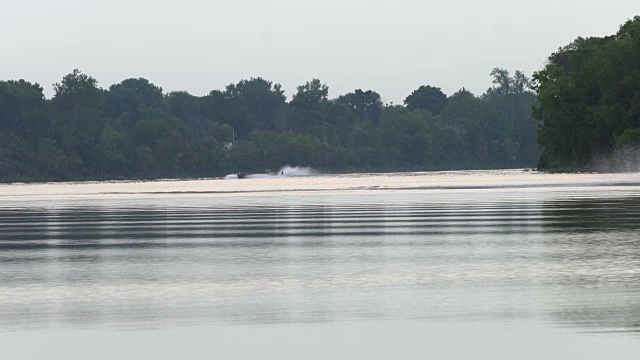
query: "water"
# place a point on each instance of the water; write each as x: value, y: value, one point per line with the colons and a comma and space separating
x: 484, y: 264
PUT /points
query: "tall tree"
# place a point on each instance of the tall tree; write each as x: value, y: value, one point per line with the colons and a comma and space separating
x: 427, y: 98
x: 23, y: 109
x: 311, y: 95
x: 263, y: 99
x: 366, y: 105
x: 589, y: 95
x: 75, y: 89
x: 79, y: 119
x: 307, y: 105
x: 130, y: 95
x: 511, y: 100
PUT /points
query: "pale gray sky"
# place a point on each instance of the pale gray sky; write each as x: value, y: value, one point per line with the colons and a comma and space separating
x: 389, y: 46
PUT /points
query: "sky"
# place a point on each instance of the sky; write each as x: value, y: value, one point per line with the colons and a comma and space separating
x: 391, y: 47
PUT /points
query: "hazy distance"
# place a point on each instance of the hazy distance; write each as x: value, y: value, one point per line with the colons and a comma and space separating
x: 391, y: 47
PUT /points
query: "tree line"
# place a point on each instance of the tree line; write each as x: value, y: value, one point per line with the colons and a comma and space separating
x: 133, y: 130
x: 589, y: 99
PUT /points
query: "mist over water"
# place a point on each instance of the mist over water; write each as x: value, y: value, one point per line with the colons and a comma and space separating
x: 297, y: 171
x: 625, y: 159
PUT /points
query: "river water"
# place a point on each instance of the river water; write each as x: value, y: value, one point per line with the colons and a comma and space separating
x: 475, y: 264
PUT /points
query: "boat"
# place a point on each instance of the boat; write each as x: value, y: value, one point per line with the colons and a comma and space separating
x: 241, y: 175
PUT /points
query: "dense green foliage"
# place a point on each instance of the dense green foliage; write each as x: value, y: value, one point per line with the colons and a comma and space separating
x: 134, y: 130
x: 589, y: 98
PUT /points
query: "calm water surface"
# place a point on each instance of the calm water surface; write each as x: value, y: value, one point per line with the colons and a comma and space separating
x: 367, y: 266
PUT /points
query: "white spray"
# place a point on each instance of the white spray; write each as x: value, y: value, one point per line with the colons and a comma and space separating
x: 296, y: 171
x: 285, y: 171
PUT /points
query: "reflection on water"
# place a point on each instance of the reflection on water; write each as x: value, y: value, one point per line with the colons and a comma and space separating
x: 568, y: 256
x: 597, y: 241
